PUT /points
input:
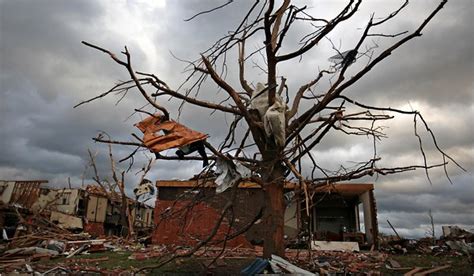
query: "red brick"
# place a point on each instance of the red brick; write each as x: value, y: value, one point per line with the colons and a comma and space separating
x: 186, y: 227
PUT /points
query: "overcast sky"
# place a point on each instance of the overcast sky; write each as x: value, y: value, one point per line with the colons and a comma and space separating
x: 45, y: 71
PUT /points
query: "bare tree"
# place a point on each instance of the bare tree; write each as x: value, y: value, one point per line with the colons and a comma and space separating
x: 282, y: 125
x: 431, y: 230
x: 110, y: 187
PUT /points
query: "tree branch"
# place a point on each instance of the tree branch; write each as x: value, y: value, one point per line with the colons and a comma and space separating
x: 344, y: 15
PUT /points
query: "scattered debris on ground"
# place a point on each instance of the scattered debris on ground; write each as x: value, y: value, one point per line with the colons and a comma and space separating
x: 36, y: 244
x: 454, y: 242
x: 78, y: 253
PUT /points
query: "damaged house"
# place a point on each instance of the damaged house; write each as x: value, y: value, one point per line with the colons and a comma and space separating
x: 186, y: 211
x: 17, y: 197
x: 345, y: 212
x: 65, y: 207
x: 104, y: 213
x: 90, y: 210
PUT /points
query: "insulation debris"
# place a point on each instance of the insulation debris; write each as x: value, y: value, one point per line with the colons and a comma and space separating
x: 229, y: 174
x: 259, y: 100
x: 160, y: 135
x: 274, y: 122
x: 273, y: 117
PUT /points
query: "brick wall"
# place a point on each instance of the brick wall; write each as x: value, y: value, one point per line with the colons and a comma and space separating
x: 178, y: 225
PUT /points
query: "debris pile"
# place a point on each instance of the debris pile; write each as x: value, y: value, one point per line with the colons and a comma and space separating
x: 38, y: 239
x: 66, y: 254
x: 332, y: 262
x: 33, y: 241
x: 454, y: 241
x: 39, y: 224
x: 30, y: 251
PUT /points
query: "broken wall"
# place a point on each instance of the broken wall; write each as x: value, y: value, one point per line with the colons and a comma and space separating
x: 188, y: 227
x: 66, y: 221
x: 6, y: 191
x: 246, y: 207
x: 64, y: 200
x: 370, y: 216
x: 291, y: 220
x: 20, y: 193
x: 96, y: 208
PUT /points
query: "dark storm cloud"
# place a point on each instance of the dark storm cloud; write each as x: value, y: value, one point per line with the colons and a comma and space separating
x: 435, y: 67
x: 47, y: 134
x: 45, y: 71
x: 39, y: 41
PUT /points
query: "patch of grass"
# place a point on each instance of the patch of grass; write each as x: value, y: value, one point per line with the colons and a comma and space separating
x: 116, y: 260
x: 184, y: 266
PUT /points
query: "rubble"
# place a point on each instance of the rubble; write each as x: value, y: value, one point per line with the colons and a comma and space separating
x: 39, y: 224
x: 455, y: 232
x: 332, y: 262
x: 30, y: 251
x: 295, y: 261
x: 37, y: 245
x: 454, y: 242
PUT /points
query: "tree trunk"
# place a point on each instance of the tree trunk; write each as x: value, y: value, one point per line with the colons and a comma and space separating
x: 125, y: 214
x: 274, y: 214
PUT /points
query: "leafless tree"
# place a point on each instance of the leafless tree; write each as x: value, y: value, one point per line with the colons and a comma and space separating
x: 431, y: 230
x: 110, y: 187
x: 309, y: 112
